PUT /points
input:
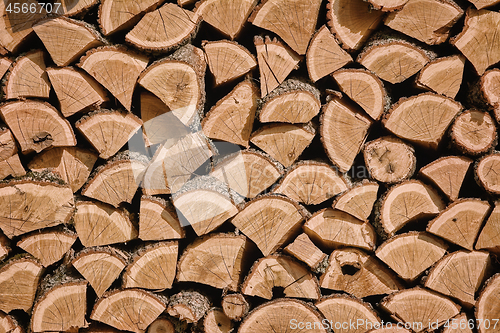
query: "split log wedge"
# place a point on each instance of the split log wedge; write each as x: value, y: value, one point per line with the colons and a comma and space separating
x: 489, y: 239
x: 235, y: 306
x: 359, y: 200
x: 156, y: 117
x: 333, y: 228
x: 77, y: 7
x: 311, y: 183
x: 487, y: 173
x: 215, y: 260
x: 410, y: 254
x: 27, y: 77
x: 5, y: 64
x: 161, y: 325
x: 269, y: 221
x: 359, y: 274
x: 490, y: 88
x: 474, y: 132
x: 9, y: 325
x: 158, y: 220
x: 387, y: 6
x: 48, y: 246
x: 8, y: 145
x: 487, y: 308
x: 443, y: 75
x: 4, y: 246
x: 462, y: 328
x: 116, y: 15
x: 188, y: 306
x: 304, y: 249
x: 280, y: 271
x: 216, y: 321
x: 480, y: 4
x: 129, y: 310
x: 12, y: 166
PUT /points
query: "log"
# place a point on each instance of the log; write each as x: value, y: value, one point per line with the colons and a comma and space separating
x: 158, y: 220
x: 100, y: 224
x: 325, y: 55
x: 231, y: 119
x: 359, y: 274
x: 447, y: 173
x: 173, y: 26
x: 269, y: 221
x: 490, y: 81
x: 283, y: 17
x: 31, y: 204
x: 304, y: 250
x: 152, y: 267
x: 189, y: 306
x: 473, y: 132
x: 115, y: 68
x: 66, y: 39
x: 37, y: 125
x: 459, y: 275
x: 12, y: 166
x: 61, y: 308
x: 5, y: 64
x: 281, y: 315
x: 161, y: 325
x: 18, y: 284
x: 489, y: 238
x: 410, y: 254
x: 486, y: 173
x: 393, y: 60
x: 352, y: 22
x: 389, y: 159
x: 129, y: 310
x: 275, y: 63
x: 235, y: 306
x: 343, y: 131
x: 460, y: 222
x: 215, y: 260
x: 358, y: 200
x: 75, y: 90
x: 333, y: 228
x: 420, y: 308
x: 280, y: 272
x: 4, y: 246
x: 156, y: 116
x: 442, y: 75
x: 228, y: 60
x: 487, y: 309
x: 480, y: 4
x: 417, y: 19
x: 48, y: 246
x: 100, y: 266
x: 77, y: 7
x: 422, y: 119
x: 216, y: 321
x: 72, y: 164
x: 8, y: 145
x: 475, y: 41
x: 387, y: 5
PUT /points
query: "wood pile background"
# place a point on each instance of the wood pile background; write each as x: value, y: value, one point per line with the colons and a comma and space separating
x: 245, y: 166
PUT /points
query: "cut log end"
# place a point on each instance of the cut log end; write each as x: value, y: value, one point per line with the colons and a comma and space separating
x: 235, y: 306
x: 487, y: 173
x: 474, y: 132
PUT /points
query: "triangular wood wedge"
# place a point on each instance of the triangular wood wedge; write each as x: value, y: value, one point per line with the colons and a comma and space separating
x: 108, y: 130
x: 164, y: 29
x: 352, y: 21
x: 228, y: 60
x: 9, y: 324
x: 62, y: 308
x: 345, y: 309
x: 480, y: 33
x: 460, y: 222
x: 359, y: 274
x: 447, y: 173
x: 116, y: 182
x: 410, y: 254
x: 419, y: 19
x: 281, y: 315
x: 489, y: 239
x: 294, y: 101
x: 443, y: 75
x: 284, y: 142
x: 75, y: 89
x: 490, y: 83
x: 343, y: 131
x: 156, y: 116
x: 116, y: 15
x: 293, y: 20
x: 364, y: 88
x: 231, y: 119
x: 18, y: 283
x: 269, y: 221
x: 12, y: 166
x: 66, y: 39
x: 152, y: 267
x: 5, y: 64
x: 280, y: 271
x: 459, y: 275
x: 4, y: 246
x: 100, y: 224
x: 387, y: 6
x: 37, y: 125
x: 358, y: 201
x: 487, y: 174
x: 248, y: 172
x: 215, y: 260
x: 158, y: 220
x: 129, y: 310
x: 420, y: 308
x: 311, y: 183
x: 422, y: 119
x: 275, y: 63
x: 72, y: 164
x: 480, y: 4
x: 27, y: 205
x: 325, y: 55
x: 100, y: 267
x: 27, y: 77
x: 393, y: 61
x: 154, y: 180
x: 304, y: 249
x: 474, y: 132
x: 487, y: 306
x: 48, y: 246
x: 334, y: 228
x: 8, y: 146
x: 226, y: 16
x: 116, y: 69
x: 216, y: 320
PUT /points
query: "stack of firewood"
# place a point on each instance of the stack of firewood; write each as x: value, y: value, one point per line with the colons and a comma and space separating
x: 234, y: 166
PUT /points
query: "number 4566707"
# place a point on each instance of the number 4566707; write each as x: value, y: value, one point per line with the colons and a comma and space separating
x: 32, y: 8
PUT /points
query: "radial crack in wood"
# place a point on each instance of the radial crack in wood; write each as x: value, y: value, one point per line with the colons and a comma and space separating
x: 489, y: 239
x: 474, y: 132
x: 358, y: 200
x: 488, y: 174
x: 443, y: 75
x: 48, y: 246
x: 116, y: 15
x: 487, y: 308
x: 158, y: 220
